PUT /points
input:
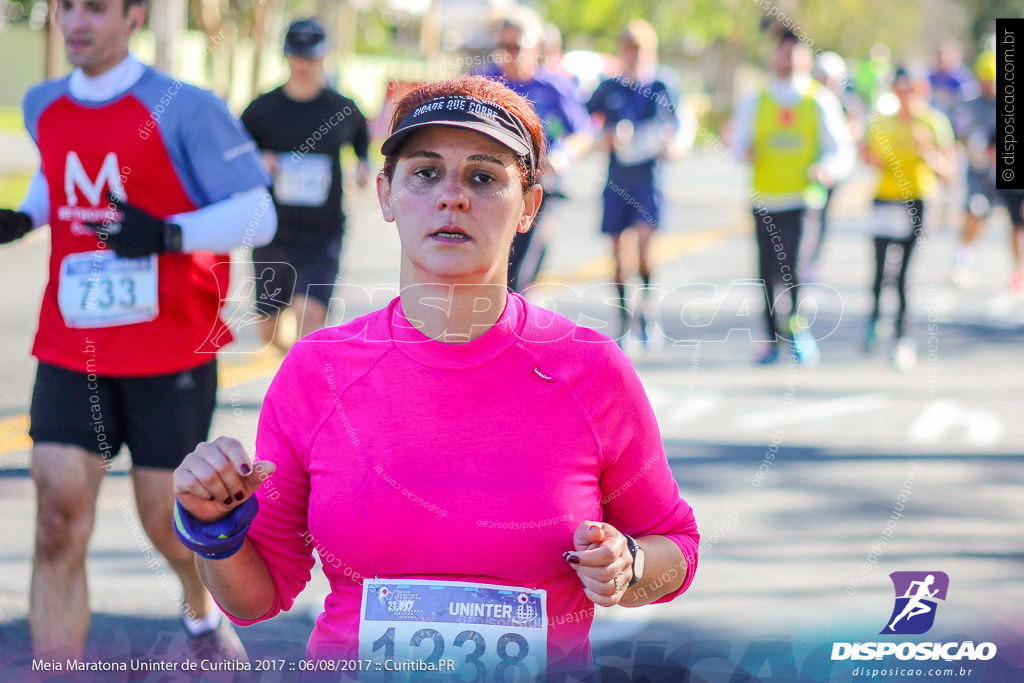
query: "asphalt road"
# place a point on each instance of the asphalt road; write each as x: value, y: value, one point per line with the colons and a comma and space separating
x: 793, y: 472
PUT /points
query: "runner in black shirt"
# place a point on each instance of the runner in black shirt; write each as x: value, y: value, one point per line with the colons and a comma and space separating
x: 301, y: 127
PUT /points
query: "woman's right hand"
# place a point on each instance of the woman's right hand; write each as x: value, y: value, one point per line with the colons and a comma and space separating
x: 216, y: 477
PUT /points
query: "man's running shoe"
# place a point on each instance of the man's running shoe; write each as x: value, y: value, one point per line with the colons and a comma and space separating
x: 1017, y: 283
x: 960, y: 274
x: 768, y: 355
x: 904, y: 354
x: 220, y: 644
x: 870, y: 336
x: 644, y: 329
x: 625, y: 323
x: 650, y: 335
x: 961, y: 277
x: 804, y: 345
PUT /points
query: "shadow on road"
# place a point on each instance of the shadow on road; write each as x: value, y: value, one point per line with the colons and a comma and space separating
x: 122, y: 638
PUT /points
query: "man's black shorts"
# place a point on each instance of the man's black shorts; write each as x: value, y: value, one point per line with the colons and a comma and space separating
x: 161, y: 418
x: 302, y: 269
x: 1014, y: 200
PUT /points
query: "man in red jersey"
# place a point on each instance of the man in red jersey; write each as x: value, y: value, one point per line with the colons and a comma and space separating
x: 146, y: 183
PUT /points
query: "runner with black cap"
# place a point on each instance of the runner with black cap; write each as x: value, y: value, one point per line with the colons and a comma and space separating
x: 300, y: 128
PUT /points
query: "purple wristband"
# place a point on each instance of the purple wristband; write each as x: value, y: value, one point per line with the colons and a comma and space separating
x: 215, y: 540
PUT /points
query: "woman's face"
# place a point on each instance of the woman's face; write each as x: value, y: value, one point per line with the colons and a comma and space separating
x: 457, y: 199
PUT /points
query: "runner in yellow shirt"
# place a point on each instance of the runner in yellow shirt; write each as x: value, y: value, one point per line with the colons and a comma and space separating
x: 912, y: 149
x: 793, y: 134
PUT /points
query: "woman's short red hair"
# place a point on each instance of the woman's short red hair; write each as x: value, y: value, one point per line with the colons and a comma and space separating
x: 482, y: 89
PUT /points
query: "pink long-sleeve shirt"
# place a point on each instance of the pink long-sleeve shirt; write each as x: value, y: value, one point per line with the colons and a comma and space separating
x: 402, y: 457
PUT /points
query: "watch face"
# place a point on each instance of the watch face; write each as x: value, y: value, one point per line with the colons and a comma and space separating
x: 638, y: 563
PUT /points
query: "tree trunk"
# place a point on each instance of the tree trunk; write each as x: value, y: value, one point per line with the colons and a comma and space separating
x: 219, y: 43
x: 167, y: 22
x: 430, y: 31
x: 54, y: 46
x: 259, y: 37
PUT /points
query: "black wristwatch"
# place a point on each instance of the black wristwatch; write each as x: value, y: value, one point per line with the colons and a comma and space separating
x: 172, y: 238
x: 638, y: 560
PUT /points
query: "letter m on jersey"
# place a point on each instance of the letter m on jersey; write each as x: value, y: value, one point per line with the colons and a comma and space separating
x: 76, y: 177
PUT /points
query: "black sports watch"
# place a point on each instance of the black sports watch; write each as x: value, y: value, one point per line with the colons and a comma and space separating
x: 638, y: 560
x: 172, y: 238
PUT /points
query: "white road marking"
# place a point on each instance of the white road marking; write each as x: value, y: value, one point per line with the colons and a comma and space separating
x: 811, y: 412
x: 694, y: 407
x: 936, y: 420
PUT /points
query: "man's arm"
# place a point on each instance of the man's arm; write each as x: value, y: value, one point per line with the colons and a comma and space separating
x: 360, y: 134
x: 245, y: 219
x: 838, y: 152
x: 741, y: 133
x: 226, y: 166
x: 941, y: 155
x: 361, y: 147
x: 251, y: 120
x: 37, y: 200
x: 33, y: 212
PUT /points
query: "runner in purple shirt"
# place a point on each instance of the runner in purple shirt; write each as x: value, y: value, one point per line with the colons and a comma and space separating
x: 566, y: 131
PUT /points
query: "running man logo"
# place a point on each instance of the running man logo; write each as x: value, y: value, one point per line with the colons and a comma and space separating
x: 916, y: 595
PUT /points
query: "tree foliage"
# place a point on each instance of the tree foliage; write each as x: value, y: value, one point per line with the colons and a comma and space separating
x: 850, y: 27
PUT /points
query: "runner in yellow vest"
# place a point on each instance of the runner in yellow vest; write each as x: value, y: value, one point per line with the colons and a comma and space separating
x: 797, y: 141
x: 912, y: 149
x: 786, y: 144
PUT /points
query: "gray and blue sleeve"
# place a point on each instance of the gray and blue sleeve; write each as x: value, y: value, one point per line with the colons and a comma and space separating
x: 218, y: 164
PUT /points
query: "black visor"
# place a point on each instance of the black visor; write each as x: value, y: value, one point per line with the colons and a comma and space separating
x: 486, y: 118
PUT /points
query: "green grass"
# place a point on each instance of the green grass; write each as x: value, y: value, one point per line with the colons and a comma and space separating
x: 13, y: 187
x: 10, y: 120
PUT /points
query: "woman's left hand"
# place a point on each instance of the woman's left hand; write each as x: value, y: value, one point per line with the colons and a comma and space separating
x: 602, y: 561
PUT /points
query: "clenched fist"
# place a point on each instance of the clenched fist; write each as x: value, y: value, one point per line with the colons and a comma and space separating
x: 214, y: 478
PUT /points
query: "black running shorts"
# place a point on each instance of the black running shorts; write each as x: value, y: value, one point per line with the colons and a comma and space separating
x: 161, y: 418
x: 286, y: 270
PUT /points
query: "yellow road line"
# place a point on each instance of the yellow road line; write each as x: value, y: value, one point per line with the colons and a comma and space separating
x: 15, y: 444
x: 11, y: 426
x: 14, y: 434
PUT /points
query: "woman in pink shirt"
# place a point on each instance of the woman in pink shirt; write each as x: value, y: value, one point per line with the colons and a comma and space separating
x: 474, y: 472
